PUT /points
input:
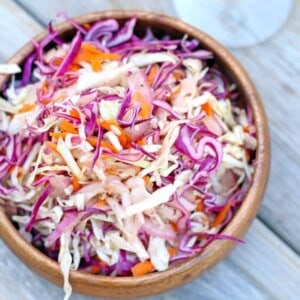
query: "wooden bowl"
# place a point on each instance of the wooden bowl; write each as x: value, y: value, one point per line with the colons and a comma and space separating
x: 97, y: 285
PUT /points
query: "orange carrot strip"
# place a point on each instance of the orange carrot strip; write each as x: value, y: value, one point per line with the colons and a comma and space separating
x: 66, y: 126
x: 124, y: 138
x: 20, y: 170
x: 178, y: 74
x: 207, y: 109
x: 147, y: 180
x: 101, y: 262
x: 26, y: 107
x: 112, y: 171
x: 57, y: 135
x: 95, y: 269
x: 246, y: 128
x: 141, y: 142
x: 89, y: 53
x: 153, y: 71
x: 174, y: 93
x: 125, y: 141
x: 76, y: 185
x: 109, y: 146
x: 106, y: 124
x: 200, y: 206
x: 86, y: 26
x: 57, y: 61
x: 74, y: 113
x: 172, y: 251
x: 222, y: 214
x: 142, y: 268
x: 51, y: 146
x: 93, y: 140
x: 100, y: 203
x: 174, y: 227
x: 247, y: 156
x: 146, y: 109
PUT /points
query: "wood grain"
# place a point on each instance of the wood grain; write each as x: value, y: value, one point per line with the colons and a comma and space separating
x: 43, y: 10
x: 265, y: 268
x: 16, y: 28
x: 274, y: 67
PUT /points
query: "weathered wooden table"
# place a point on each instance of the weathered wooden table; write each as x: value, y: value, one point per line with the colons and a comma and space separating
x: 267, y: 266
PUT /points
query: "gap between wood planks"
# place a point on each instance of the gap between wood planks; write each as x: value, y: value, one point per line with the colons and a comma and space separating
x: 34, y: 15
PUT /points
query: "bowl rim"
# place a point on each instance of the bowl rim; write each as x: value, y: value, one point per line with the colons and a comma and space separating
x: 49, y: 268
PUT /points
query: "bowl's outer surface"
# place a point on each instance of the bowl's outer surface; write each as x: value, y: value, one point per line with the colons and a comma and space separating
x: 103, y: 286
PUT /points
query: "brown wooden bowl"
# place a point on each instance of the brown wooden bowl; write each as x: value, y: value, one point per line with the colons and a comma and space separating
x: 104, y: 286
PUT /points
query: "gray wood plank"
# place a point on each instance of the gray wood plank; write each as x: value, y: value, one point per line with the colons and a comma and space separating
x: 274, y: 67
x: 44, y: 10
x: 263, y: 268
x: 16, y: 28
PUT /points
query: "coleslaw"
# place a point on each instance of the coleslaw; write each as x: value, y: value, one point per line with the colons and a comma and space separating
x: 121, y: 154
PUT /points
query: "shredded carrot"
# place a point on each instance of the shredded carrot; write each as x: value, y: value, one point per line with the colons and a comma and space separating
x: 45, y: 87
x: 20, y: 170
x: 178, y: 74
x: 174, y: 227
x: 152, y: 74
x: 56, y: 61
x: 45, y: 101
x: 51, y: 146
x: 74, y: 113
x: 142, y: 268
x: 172, y: 251
x: 174, y: 93
x: 101, y: 262
x: 86, y: 26
x: 207, y: 109
x: 112, y: 171
x: 106, y: 124
x: 141, y: 142
x: 57, y: 135
x: 125, y: 141
x: 247, y: 156
x: 124, y: 138
x: 109, y: 146
x: 105, y: 156
x: 246, y: 128
x: 26, y: 107
x: 200, y: 206
x: 222, y: 214
x: 100, y: 204
x: 45, y: 90
x: 147, y: 180
x: 89, y: 53
x: 93, y: 140
x: 146, y: 108
x: 95, y: 269
x: 76, y: 185
x: 67, y: 127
